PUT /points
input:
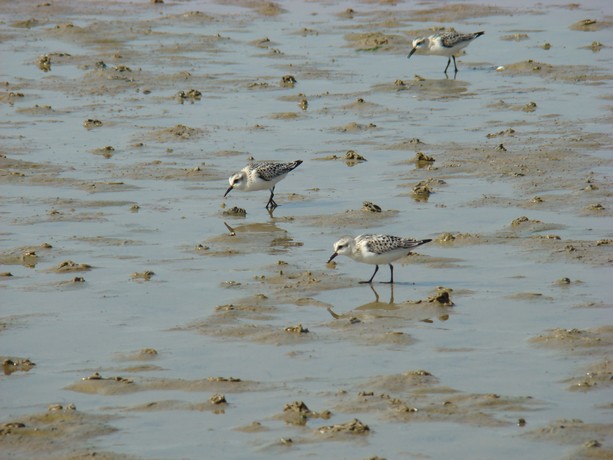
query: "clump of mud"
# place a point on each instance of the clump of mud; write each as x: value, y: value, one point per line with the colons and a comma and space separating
x: 298, y: 413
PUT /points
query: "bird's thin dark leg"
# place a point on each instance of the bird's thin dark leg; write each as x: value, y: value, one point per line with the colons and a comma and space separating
x: 454, y: 65
x: 373, y: 275
x: 448, y: 62
x: 271, y: 202
x: 391, y: 281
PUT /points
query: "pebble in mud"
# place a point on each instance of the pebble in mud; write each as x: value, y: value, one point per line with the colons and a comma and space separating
x: 122, y: 68
x: 297, y: 329
x: 235, y: 211
x: 10, y: 365
x: 44, y: 63
x: 442, y: 297
x: 70, y: 266
x: 146, y: 275
x: 353, y: 156
x: 421, y: 191
x: 29, y: 259
x: 596, y: 46
x: 217, y: 399
x: 596, y: 207
x: 369, y: 206
x: 297, y: 413
x: 589, y: 25
x: 355, y: 426
x: 92, y: 123
x: 98, y: 376
x: 421, y: 157
x: 190, y: 95
x: 506, y: 132
x: 106, y: 152
x: 529, y: 107
x: 523, y: 220
x: 563, y: 281
x: 224, y: 379
x: 288, y: 81
x: 60, y: 407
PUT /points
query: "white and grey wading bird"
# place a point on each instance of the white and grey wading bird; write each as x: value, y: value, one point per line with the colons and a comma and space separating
x: 261, y: 176
x: 376, y: 249
x: 445, y: 44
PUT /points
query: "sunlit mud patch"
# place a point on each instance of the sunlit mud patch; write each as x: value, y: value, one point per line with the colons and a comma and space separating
x: 380, y: 322
x: 344, y: 430
x: 567, y: 73
x: 578, y: 341
x: 591, y: 25
x: 243, y: 322
x: 417, y: 396
x: 247, y: 239
x: 61, y: 431
x: 592, y: 440
x: 176, y: 133
x: 552, y: 248
x: 28, y: 256
x: 142, y: 361
x: 217, y: 404
x: 596, y: 376
x: 298, y: 413
x: 11, y: 364
x: 258, y: 317
x: 594, y: 343
x: 169, y: 170
x: 356, y: 219
x: 14, y: 171
x: 456, y: 12
x: 377, y: 41
x: 436, y: 88
x: 117, y: 385
x: 291, y: 283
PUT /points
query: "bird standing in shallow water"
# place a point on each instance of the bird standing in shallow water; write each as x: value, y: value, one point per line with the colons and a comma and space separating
x: 376, y: 249
x: 261, y: 176
x: 445, y: 44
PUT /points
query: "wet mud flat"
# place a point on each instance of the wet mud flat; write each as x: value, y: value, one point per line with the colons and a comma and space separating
x: 145, y: 316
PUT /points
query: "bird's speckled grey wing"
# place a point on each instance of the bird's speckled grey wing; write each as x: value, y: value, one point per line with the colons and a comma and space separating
x: 268, y: 170
x: 453, y: 38
x: 380, y: 244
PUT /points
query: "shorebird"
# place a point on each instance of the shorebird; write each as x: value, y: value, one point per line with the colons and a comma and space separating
x: 261, y: 176
x: 376, y: 249
x: 443, y: 44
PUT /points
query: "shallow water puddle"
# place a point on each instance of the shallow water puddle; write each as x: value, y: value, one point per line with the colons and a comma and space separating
x: 158, y: 320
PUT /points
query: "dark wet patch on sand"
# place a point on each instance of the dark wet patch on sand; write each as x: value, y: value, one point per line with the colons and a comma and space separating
x: 417, y: 396
x: 57, y: 432
x: 118, y: 385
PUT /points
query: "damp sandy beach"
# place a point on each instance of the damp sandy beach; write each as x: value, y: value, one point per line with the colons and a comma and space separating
x: 144, y: 316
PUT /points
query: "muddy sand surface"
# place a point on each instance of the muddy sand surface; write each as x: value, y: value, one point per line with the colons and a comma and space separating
x: 143, y: 315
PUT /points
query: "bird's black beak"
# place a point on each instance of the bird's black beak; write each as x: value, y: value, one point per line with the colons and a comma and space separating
x: 332, y: 257
x: 228, y: 191
x: 411, y: 53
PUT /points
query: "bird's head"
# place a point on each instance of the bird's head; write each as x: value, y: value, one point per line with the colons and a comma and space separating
x: 342, y: 247
x: 418, y: 43
x: 237, y: 180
